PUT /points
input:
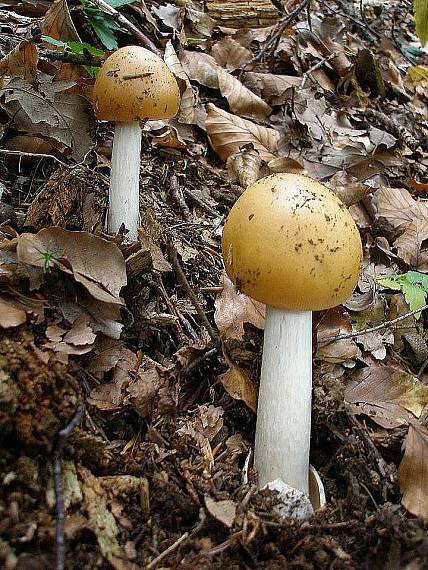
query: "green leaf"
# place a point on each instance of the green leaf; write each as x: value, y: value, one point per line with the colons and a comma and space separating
x: 413, y: 285
x: 81, y: 47
x: 53, y: 41
x: 104, y: 27
x: 119, y: 3
x: 420, y: 9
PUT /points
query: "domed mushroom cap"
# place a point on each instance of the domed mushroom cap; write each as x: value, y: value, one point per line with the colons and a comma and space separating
x: 135, y: 84
x: 291, y: 243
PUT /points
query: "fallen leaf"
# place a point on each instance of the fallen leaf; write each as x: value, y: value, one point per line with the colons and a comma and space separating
x: 275, y: 89
x: 412, y: 472
x: 399, y: 207
x: 21, y: 62
x: 242, y: 101
x: 187, y: 112
x: 10, y: 315
x: 335, y: 322
x: 58, y: 24
x: 228, y: 133
x: 50, y: 111
x: 223, y: 511
x: 244, y: 166
x: 94, y: 262
x: 143, y: 389
x: 230, y: 54
x: 238, y: 384
x: 233, y: 309
x: 389, y: 396
x: 409, y: 245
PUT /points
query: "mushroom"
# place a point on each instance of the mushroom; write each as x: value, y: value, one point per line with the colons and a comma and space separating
x: 133, y: 85
x: 291, y: 243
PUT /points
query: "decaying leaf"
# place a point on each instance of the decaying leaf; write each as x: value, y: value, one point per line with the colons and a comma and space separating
x: 244, y: 166
x: 21, y: 62
x: 233, y: 309
x: 94, y: 262
x: 399, y: 208
x: 412, y: 472
x: 10, y: 314
x: 187, y: 112
x: 230, y: 54
x: 238, y: 384
x: 51, y: 111
x: 389, y: 396
x: 223, y: 511
x: 228, y: 133
x: 101, y: 520
x: 334, y: 323
x: 409, y: 245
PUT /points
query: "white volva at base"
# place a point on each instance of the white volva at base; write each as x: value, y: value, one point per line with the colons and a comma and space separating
x: 284, y: 407
x: 124, y: 194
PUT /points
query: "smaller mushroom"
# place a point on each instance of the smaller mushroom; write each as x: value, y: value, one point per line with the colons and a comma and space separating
x: 291, y: 243
x: 133, y: 85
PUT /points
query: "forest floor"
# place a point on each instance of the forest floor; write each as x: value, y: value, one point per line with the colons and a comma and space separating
x: 129, y: 372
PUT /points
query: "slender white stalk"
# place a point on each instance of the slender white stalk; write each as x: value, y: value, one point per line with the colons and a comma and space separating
x: 284, y: 408
x: 124, y: 194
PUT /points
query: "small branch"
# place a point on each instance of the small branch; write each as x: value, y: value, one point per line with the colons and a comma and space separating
x: 61, y: 438
x: 68, y: 57
x: 182, y: 279
x: 384, y: 325
x: 33, y: 154
x: 274, y: 38
x: 177, y: 194
x: 315, y: 67
x: 125, y: 23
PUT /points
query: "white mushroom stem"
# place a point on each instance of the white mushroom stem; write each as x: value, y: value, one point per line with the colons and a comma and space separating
x: 284, y: 407
x: 124, y: 194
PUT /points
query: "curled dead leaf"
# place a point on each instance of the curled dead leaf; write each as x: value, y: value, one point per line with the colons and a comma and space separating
x: 412, y: 472
x: 228, y: 133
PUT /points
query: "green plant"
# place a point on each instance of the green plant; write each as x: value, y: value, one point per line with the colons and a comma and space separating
x: 103, y: 24
x: 49, y: 256
x: 413, y: 285
x: 420, y: 9
x: 78, y: 48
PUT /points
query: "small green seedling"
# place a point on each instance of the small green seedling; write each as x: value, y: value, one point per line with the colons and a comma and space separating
x: 50, y: 257
x: 413, y: 285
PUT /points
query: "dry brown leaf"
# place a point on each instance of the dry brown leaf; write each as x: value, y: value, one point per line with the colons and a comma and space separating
x: 412, y: 473
x: 228, y: 133
x: 233, y: 309
x: 187, y: 112
x: 94, y: 262
x: 10, y: 315
x: 230, y: 54
x: 81, y: 334
x: 335, y: 322
x: 105, y: 356
x: 409, y: 245
x: 399, y: 208
x: 21, y: 62
x: 143, y: 389
x: 242, y: 101
x: 244, y: 166
x: 389, y: 396
x: 58, y: 24
x: 349, y: 190
x: 274, y: 89
x: 223, y: 511
x: 200, y: 67
x: 49, y: 110
x: 286, y: 164
x: 238, y: 384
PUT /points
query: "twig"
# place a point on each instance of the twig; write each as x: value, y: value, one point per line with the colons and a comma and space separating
x: 172, y: 309
x: 199, y: 202
x: 274, y: 38
x: 125, y: 23
x: 33, y: 154
x: 182, y: 279
x: 170, y: 549
x: 315, y: 67
x: 75, y: 58
x: 177, y: 194
x: 384, y: 325
x: 61, y: 438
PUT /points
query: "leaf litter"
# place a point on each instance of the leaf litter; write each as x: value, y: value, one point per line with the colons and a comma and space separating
x: 161, y: 348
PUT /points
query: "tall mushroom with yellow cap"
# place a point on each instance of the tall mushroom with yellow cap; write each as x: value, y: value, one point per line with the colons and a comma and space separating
x: 133, y: 85
x: 291, y: 243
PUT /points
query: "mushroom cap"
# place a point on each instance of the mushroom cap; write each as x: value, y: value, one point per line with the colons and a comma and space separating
x: 291, y: 243
x: 135, y: 84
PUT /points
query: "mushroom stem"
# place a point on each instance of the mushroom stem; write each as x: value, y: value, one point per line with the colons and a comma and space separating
x: 284, y: 408
x: 124, y: 194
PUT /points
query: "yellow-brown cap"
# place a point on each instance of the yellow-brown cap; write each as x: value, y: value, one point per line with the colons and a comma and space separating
x: 135, y: 84
x: 291, y: 243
